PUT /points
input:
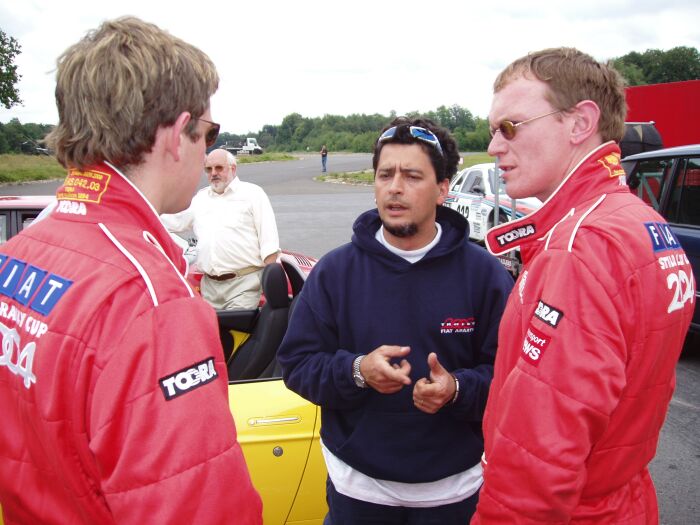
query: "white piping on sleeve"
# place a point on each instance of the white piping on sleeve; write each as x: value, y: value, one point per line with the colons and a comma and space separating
x: 573, y: 233
x: 133, y: 260
x: 148, y: 237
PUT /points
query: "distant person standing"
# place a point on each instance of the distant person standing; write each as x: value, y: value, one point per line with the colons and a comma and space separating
x: 236, y: 234
x: 324, y: 158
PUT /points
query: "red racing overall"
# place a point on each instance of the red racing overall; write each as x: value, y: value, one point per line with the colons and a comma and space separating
x: 588, y: 345
x: 112, y: 381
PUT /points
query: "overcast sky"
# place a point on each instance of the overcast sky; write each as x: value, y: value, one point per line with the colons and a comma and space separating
x: 277, y: 57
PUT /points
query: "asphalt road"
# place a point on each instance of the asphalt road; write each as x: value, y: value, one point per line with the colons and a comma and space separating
x: 315, y: 217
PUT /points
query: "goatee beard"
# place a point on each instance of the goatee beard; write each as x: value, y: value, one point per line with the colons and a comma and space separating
x: 402, y: 230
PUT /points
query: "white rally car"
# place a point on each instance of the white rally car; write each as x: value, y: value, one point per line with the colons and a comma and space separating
x: 472, y: 194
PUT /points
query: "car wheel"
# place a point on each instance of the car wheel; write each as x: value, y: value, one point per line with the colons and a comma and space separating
x: 502, y: 217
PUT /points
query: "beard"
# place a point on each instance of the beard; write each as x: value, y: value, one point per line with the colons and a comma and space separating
x: 218, y: 186
x: 401, y: 230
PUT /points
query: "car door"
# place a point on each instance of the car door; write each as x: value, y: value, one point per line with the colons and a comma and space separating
x: 472, y: 199
x: 279, y: 434
x: 680, y: 206
x: 455, y: 185
x: 14, y: 220
x: 671, y: 185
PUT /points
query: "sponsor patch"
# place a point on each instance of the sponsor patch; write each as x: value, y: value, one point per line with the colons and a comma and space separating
x: 188, y: 379
x: 456, y: 326
x: 31, y: 286
x: 548, y: 314
x: 611, y: 163
x: 534, y: 345
x: 662, y: 237
x: 72, y: 208
x: 515, y: 234
x: 82, y: 186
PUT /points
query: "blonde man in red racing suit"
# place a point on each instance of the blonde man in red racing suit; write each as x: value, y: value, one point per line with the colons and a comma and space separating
x: 592, y: 331
x: 112, y: 381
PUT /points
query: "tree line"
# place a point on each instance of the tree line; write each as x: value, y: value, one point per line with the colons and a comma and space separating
x: 357, y: 132
x: 16, y: 137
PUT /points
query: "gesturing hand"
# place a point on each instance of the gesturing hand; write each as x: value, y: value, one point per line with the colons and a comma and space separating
x: 383, y: 376
x: 430, y: 395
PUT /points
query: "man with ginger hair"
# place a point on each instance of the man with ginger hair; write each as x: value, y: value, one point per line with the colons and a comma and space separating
x: 589, y: 340
x: 111, y: 413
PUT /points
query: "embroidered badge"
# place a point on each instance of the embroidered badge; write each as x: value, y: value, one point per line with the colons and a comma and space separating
x: 188, y: 379
x: 611, y: 163
x: 84, y: 186
x: 31, y: 286
x: 455, y: 326
x: 548, y: 314
x: 515, y: 234
x: 662, y: 237
x: 534, y: 345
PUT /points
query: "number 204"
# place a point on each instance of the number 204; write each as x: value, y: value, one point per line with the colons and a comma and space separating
x: 682, y: 287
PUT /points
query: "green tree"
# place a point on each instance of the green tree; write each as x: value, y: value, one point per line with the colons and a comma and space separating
x: 285, y: 132
x: 655, y: 66
x: 9, y: 49
x: 14, y: 135
x: 679, y: 63
x: 631, y: 72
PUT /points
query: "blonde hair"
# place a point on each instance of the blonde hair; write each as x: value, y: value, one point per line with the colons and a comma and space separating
x: 573, y: 76
x: 117, y: 85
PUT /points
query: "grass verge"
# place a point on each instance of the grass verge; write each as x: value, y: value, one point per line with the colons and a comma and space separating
x: 23, y: 168
x: 263, y: 157
x: 16, y: 168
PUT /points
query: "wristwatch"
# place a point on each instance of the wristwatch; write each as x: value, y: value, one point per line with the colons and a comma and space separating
x: 356, y: 374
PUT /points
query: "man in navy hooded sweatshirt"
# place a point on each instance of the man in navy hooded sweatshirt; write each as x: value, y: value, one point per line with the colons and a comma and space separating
x: 394, y: 336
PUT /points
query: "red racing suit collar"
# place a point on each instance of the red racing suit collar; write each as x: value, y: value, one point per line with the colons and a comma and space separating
x: 103, y: 194
x: 598, y: 173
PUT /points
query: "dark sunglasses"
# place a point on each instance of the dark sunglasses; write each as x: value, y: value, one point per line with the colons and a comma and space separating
x: 416, y: 132
x: 212, y: 133
x: 507, y: 128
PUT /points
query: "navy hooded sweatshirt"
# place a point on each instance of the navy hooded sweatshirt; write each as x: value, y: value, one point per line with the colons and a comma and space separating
x: 361, y: 296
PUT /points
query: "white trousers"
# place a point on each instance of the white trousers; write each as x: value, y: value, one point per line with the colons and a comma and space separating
x: 239, y: 293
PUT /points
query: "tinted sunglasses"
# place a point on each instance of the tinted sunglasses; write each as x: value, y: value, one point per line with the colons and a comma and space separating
x: 422, y: 134
x: 212, y: 133
x: 216, y: 168
x: 508, y: 128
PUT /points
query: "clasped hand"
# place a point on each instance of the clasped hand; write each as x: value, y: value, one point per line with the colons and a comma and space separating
x: 429, y: 394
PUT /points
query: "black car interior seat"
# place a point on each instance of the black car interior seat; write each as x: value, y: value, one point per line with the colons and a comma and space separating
x: 256, y: 354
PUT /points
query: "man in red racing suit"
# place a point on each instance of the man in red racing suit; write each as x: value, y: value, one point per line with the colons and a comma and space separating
x: 589, y: 340
x: 112, y: 380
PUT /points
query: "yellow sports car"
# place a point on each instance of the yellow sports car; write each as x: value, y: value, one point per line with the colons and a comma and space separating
x: 278, y: 430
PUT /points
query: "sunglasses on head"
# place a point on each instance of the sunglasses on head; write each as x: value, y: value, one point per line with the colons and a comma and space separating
x: 508, y: 128
x: 422, y: 134
x: 212, y: 133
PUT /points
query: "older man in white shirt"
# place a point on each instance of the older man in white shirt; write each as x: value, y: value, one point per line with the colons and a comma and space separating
x: 236, y: 234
